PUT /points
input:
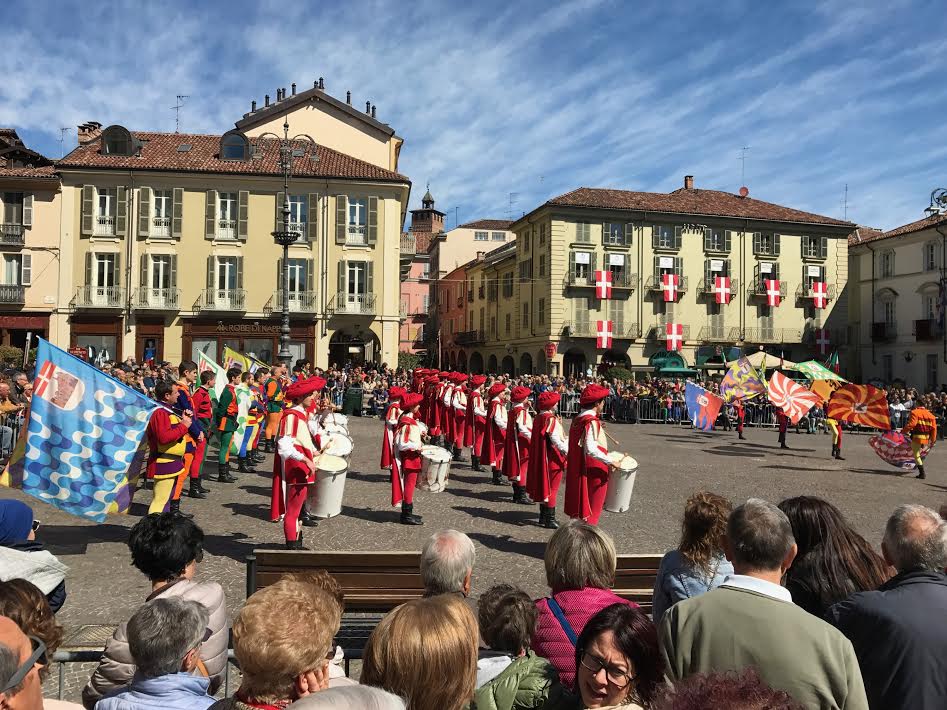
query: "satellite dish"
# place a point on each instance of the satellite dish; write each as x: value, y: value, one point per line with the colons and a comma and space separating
x: 744, y: 191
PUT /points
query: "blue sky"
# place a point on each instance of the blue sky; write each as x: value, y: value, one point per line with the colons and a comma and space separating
x: 531, y: 98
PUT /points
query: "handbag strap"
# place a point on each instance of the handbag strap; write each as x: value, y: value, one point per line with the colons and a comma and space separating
x: 563, y: 621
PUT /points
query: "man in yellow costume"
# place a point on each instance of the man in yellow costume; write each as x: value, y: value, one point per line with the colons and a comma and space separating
x: 922, y: 428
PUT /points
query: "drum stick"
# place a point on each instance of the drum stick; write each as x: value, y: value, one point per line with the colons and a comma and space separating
x: 611, y: 438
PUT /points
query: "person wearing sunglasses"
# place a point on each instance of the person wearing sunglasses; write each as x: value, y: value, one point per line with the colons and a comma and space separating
x: 22, y: 556
x: 21, y: 658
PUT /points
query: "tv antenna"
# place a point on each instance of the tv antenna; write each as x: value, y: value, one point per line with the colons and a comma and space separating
x: 743, y: 164
x: 62, y: 139
x: 512, y: 196
x: 177, y: 111
x: 845, y: 204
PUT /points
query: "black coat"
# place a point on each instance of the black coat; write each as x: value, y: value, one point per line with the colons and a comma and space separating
x: 900, y: 637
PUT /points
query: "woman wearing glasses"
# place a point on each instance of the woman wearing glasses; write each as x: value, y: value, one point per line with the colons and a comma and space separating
x: 22, y: 556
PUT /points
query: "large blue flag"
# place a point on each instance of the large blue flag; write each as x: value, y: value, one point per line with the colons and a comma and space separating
x: 702, y: 406
x: 84, y: 432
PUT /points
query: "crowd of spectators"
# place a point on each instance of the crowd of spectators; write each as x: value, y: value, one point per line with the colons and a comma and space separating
x: 759, y: 606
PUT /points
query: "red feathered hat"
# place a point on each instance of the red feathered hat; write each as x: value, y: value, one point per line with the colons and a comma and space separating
x: 519, y: 393
x: 460, y: 378
x: 396, y: 393
x: 549, y: 399
x: 593, y: 394
x: 478, y: 380
x: 496, y: 388
x: 302, y: 388
x: 411, y: 400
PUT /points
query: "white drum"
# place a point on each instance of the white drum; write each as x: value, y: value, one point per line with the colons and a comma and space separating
x: 435, y: 468
x: 621, y: 482
x: 340, y: 445
x: 325, y: 495
x: 336, y: 423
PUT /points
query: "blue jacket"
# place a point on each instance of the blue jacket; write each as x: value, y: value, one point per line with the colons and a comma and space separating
x: 678, y: 580
x: 176, y: 691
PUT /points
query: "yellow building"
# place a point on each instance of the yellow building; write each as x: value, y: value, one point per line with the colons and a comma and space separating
x: 167, y: 246
x: 541, y: 312
x: 30, y: 202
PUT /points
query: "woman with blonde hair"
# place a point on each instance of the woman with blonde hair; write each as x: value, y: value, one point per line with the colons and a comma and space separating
x: 425, y: 651
x: 698, y: 564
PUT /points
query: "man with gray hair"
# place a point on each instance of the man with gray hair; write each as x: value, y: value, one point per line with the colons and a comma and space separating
x: 750, y: 620
x: 21, y: 657
x: 164, y: 637
x: 900, y: 631
x: 447, y: 562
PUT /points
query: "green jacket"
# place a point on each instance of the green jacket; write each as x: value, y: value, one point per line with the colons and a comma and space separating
x: 225, y: 410
x: 527, y: 683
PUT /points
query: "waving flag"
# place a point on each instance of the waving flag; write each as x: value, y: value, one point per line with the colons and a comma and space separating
x: 603, y: 284
x: 741, y: 381
x: 205, y: 363
x: 861, y: 404
x: 794, y: 399
x: 669, y: 284
x: 673, y: 336
x: 603, y: 335
x: 825, y: 388
x: 83, y: 438
x: 820, y: 294
x: 702, y: 406
x: 894, y: 448
x: 238, y: 444
x: 722, y: 292
x: 772, y: 292
x: 234, y: 359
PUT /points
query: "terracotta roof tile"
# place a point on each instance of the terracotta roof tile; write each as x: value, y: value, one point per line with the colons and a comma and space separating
x: 503, y: 224
x: 47, y: 172
x: 864, y: 234
x: 160, y: 152
x: 867, y: 234
x: 700, y: 202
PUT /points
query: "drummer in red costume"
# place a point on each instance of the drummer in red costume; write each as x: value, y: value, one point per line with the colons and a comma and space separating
x: 494, y: 437
x: 519, y: 429
x: 392, y: 415
x: 431, y: 386
x: 548, y: 449
x: 587, y: 463
x: 406, y: 465
x: 476, y: 420
x: 446, y: 419
x: 459, y: 413
x: 297, y: 456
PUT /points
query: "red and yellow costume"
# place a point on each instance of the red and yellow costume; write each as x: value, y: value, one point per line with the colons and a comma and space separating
x: 922, y: 428
x: 167, y: 446
x: 548, y: 450
x: 587, y: 463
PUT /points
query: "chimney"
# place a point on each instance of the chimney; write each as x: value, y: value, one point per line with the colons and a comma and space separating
x: 322, y: 84
x: 89, y: 132
x: 373, y: 110
x: 293, y: 85
x: 252, y: 106
x: 348, y: 97
x: 267, y: 100
x: 284, y: 93
x: 368, y: 107
x: 688, y: 182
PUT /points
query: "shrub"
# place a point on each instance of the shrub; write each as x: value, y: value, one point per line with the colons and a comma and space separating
x: 619, y: 373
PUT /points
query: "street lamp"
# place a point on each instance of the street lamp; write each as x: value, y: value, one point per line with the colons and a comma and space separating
x: 289, y: 149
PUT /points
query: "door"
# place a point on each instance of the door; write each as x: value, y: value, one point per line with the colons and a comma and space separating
x: 161, y: 218
x: 104, y: 289
x: 226, y: 281
x: 160, y: 281
x: 297, y: 284
x: 227, y: 215
x: 357, y: 286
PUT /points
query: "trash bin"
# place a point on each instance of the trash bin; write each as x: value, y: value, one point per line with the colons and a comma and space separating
x: 352, y: 402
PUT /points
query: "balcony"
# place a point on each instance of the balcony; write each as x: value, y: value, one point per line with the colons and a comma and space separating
x: 355, y: 235
x: 104, y: 226
x: 758, y: 289
x: 658, y: 331
x: 299, y: 302
x: 12, y: 295
x: 654, y: 284
x: 222, y: 299
x: 355, y: 304
x: 927, y: 330
x: 769, y: 335
x: 884, y: 332
x: 157, y: 299
x: 226, y: 229
x: 160, y: 227
x: 589, y: 329
x: 804, y: 292
x: 301, y: 229
x: 837, y: 336
x: 706, y: 287
x: 11, y: 235
x: 470, y: 337
x: 105, y: 297
x: 714, y: 334
x: 622, y: 280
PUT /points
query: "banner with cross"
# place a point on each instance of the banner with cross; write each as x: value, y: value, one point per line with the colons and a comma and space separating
x: 674, y: 336
x: 773, y: 294
x: 669, y: 285
x: 820, y: 294
x: 603, y: 284
x: 722, y: 294
x: 603, y: 334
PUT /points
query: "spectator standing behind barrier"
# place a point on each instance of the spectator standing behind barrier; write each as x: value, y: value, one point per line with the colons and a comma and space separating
x: 580, y: 563
x: 510, y: 676
x: 21, y: 658
x: 900, y: 630
x: 833, y: 561
x: 356, y: 697
x: 699, y: 563
x: 750, y: 620
x: 22, y: 556
x: 447, y: 562
x: 165, y: 637
x: 167, y: 549
x: 425, y: 651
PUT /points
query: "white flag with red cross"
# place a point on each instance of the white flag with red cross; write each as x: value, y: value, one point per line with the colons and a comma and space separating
x: 674, y: 335
x: 822, y: 340
x: 722, y: 292
x: 669, y: 285
x: 603, y: 284
x: 603, y: 334
x: 820, y: 294
x: 773, y: 295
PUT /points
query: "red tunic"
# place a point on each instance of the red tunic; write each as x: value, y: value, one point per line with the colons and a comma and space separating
x: 579, y: 469
x: 546, y: 461
x: 475, y: 424
x: 515, y: 448
x: 203, y: 408
x: 161, y: 432
x: 407, y: 464
x: 393, y: 413
x: 291, y: 472
x: 494, y: 437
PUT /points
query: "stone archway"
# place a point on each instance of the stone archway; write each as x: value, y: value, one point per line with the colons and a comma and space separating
x: 476, y: 363
x: 462, y: 361
x: 526, y: 364
x: 492, y: 365
x: 508, y: 367
x: 574, y: 363
x: 355, y: 348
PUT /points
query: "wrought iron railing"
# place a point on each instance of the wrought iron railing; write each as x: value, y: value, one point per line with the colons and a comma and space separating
x: 159, y: 299
x: 11, y: 293
x: 352, y: 304
x: 11, y: 235
x: 299, y: 302
x: 222, y: 299
x: 99, y: 297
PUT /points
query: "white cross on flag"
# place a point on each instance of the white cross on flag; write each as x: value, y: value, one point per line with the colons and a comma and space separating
x: 603, y: 284
x: 669, y: 284
x: 822, y: 340
x: 722, y: 289
x: 603, y: 335
x: 674, y: 335
x: 819, y: 294
x: 772, y: 292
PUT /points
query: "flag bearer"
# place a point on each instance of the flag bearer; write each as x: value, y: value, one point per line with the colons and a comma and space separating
x: 226, y: 414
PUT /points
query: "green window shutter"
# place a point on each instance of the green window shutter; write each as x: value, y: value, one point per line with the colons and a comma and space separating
x: 775, y: 244
x: 572, y: 264
x: 629, y: 233
x: 27, y: 209
x: 340, y: 281
x: 88, y: 268
x: 372, y: 220
x: 823, y: 246
x: 239, y: 272
x: 708, y: 275
x: 26, y: 270
x: 757, y: 242
x: 370, y: 277
x: 144, y: 211
x: 210, y: 215
x: 655, y: 236
x: 776, y: 270
x: 143, y: 271
x: 88, y: 210
x: 174, y: 271
x: 727, y: 240
x: 678, y: 235
x: 312, y: 211
x: 122, y: 196
x: 593, y: 263
x: 310, y: 272
x: 657, y: 271
x: 679, y: 265
x: 708, y: 233
x: 177, y: 212
x: 278, y: 212
x: 243, y: 215
x: 117, y: 271
x: 606, y: 230
x: 341, y: 218
x: 758, y: 278
x: 210, y: 272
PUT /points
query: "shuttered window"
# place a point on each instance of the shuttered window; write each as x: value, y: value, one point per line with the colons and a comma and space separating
x: 583, y: 232
x: 815, y: 247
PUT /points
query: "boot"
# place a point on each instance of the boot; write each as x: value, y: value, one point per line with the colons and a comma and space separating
x: 243, y: 466
x: 174, y: 507
x: 195, y: 490
x: 520, y: 495
x: 223, y: 473
x: 551, y: 518
x: 257, y: 456
x: 296, y: 544
x: 543, y: 515
x: 199, y: 482
x: 475, y: 463
x: 497, y: 477
x: 268, y: 446
x: 407, y: 515
x: 920, y: 470
x: 310, y: 521
x: 740, y: 435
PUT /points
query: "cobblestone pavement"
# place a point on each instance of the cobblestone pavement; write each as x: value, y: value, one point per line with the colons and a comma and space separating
x: 674, y: 462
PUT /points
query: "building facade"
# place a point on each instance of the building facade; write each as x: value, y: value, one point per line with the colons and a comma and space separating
x: 415, y: 276
x: 896, y: 305
x: 450, y: 250
x: 30, y: 203
x: 689, y: 272
x: 167, y: 248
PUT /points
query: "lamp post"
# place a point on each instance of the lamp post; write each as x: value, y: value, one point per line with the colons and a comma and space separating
x: 289, y: 148
x: 938, y: 206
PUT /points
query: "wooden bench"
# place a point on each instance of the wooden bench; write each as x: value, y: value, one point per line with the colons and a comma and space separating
x: 634, y: 578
